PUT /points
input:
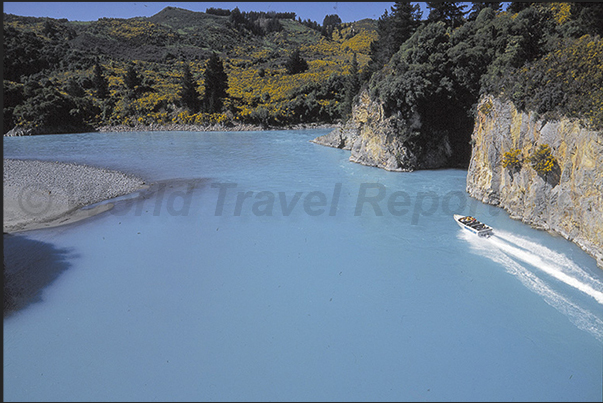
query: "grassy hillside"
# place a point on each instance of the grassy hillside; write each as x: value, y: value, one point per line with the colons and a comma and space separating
x: 281, y: 71
x: 54, y: 59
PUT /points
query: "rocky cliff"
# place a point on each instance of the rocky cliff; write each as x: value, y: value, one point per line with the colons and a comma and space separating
x: 387, y: 142
x: 567, y: 200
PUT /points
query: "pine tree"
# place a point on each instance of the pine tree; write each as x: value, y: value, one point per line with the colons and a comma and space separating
x: 296, y: 64
x: 589, y: 17
x: 477, y: 7
x: 216, y: 84
x: 329, y: 24
x: 101, y: 85
x: 351, y: 88
x: 132, y: 80
x: 394, y: 29
x: 517, y: 6
x: 188, y: 92
x: 74, y: 89
x: 449, y: 12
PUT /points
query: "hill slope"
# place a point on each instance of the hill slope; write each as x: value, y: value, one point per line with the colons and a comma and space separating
x: 49, y: 58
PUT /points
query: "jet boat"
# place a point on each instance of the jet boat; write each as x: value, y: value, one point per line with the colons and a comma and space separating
x: 471, y: 224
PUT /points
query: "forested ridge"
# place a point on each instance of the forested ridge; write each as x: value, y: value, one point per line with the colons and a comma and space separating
x: 273, y: 69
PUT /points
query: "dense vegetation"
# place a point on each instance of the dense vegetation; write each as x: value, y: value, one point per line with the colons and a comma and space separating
x: 541, y: 160
x: 272, y: 69
x: 545, y: 57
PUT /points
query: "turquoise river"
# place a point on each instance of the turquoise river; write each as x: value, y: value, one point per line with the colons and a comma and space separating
x: 263, y: 267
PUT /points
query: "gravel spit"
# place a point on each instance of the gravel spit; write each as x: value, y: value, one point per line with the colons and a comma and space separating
x: 37, y: 194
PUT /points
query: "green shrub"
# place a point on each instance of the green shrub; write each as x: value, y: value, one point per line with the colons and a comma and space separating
x: 564, y: 82
x: 512, y: 160
x: 486, y: 108
x: 542, y: 160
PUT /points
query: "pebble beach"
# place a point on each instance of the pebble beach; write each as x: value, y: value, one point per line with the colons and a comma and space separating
x: 40, y: 194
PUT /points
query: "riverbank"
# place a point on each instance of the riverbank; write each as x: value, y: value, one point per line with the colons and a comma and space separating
x: 43, y: 194
x: 238, y: 127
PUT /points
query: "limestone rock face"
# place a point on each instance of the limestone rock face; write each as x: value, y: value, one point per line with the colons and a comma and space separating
x: 387, y: 142
x: 569, y: 201
x: 341, y: 137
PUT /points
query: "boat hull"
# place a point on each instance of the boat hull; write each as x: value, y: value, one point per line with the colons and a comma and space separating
x: 474, y: 226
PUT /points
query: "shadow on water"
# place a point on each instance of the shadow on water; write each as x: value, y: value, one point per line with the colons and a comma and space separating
x: 29, y: 267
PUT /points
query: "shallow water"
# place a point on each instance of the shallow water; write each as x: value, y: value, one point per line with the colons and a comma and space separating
x: 275, y: 269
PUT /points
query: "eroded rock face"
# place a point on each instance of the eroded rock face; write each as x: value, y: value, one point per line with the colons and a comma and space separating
x: 387, y: 142
x: 341, y: 137
x: 569, y: 201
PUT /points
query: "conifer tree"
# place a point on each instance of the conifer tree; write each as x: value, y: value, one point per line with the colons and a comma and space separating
x: 216, y: 84
x: 517, y: 6
x: 74, y: 89
x: 450, y: 12
x: 351, y: 88
x: 394, y: 29
x: 478, y: 6
x: 188, y: 91
x: 329, y: 24
x: 589, y: 17
x: 131, y: 79
x: 296, y: 64
x: 101, y: 85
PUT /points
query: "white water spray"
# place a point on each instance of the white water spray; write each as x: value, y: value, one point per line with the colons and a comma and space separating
x: 553, y: 263
x: 511, y: 251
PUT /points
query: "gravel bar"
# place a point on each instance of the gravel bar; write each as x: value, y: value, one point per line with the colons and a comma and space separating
x: 40, y: 194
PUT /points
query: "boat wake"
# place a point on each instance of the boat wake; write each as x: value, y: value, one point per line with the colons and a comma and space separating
x: 527, y: 260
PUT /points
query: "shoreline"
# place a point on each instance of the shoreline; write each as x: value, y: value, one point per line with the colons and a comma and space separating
x: 239, y: 127
x: 211, y: 128
x: 44, y: 194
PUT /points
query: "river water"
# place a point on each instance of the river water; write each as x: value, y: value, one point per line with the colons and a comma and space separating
x: 261, y: 266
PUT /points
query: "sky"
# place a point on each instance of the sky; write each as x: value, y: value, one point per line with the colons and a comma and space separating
x: 92, y: 11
